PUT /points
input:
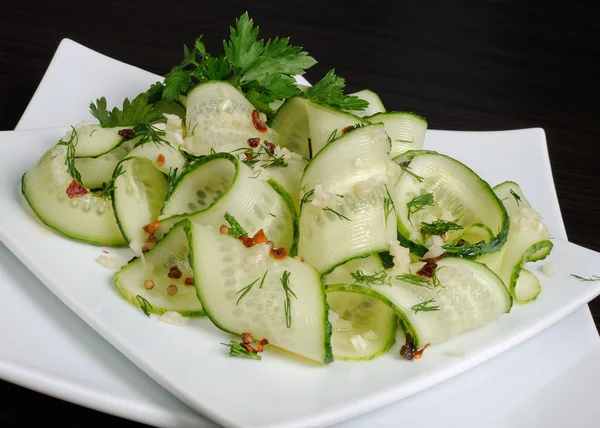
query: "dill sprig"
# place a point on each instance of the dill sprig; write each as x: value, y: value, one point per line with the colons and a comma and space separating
x: 144, y: 305
x: 109, y: 188
x: 407, y: 170
x: 149, y: 134
x: 517, y: 197
x: 419, y: 202
x: 378, y: 278
x: 438, y: 227
x: 235, y: 229
x: 388, y: 204
x: 237, y: 350
x: 307, y: 197
x: 70, y: 158
x: 285, y: 282
x: 417, y: 280
x: 244, y: 291
x: 429, y: 305
x: 590, y: 279
x: 171, y: 182
x: 340, y: 216
x: 332, y: 136
x: 262, y: 281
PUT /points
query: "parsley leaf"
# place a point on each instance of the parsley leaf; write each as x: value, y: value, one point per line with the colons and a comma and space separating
x: 330, y: 91
x: 139, y: 111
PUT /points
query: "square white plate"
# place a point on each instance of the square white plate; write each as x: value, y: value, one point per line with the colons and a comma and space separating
x: 131, y: 381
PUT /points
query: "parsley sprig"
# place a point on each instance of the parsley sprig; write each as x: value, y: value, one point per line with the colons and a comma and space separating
x: 139, y: 111
x: 330, y: 91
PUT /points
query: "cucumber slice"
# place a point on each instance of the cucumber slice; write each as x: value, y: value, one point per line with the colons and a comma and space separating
x: 220, y: 183
x: 470, y: 296
x: 243, y: 292
x: 93, y: 140
x: 305, y: 127
x: 155, y: 265
x: 87, y: 218
x: 406, y: 130
x: 375, y: 103
x: 345, y: 203
x: 288, y: 177
x: 219, y: 117
x: 365, y: 327
x: 527, y: 287
x: 99, y: 170
x: 439, y: 187
x: 528, y: 241
x: 171, y: 158
x: 139, y: 192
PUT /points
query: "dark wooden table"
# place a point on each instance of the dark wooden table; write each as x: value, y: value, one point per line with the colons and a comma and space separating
x: 479, y: 65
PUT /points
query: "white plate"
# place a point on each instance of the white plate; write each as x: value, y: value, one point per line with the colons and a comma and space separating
x: 82, y: 373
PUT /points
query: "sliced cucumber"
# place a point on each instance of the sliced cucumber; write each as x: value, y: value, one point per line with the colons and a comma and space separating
x: 93, y: 140
x: 220, y: 183
x: 448, y: 190
x: 289, y: 177
x: 345, y: 203
x: 528, y: 241
x: 139, y: 192
x: 219, y: 117
x: 375, y: 103
x: 468, y: 296
x: 365, y: 327
x: 155, y: 265
x: 163, y: 156
x: 305, y: 127
x: 527, y: 288
x: 87, y: 218
x: 97, y: 171
x: 242, y: 292
x: 406, y: 130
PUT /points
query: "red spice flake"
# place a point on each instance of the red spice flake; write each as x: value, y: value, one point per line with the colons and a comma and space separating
x: 347, y: 129
x: 126, y: 134
x: 75, y: 190
x: 254, y: 142
x: 188, y: 281
x: 223, y: 230
x: 261, y: 344
x: 174, y: 272
x: 151, y: 239
x: 269, y: 146
x: 246, y: 241
x: 247, y: 338
x: 259, y: 238
x: 248, y: 347
x: 409, y: 351
x: 278, y: 253
x: 145, y: 249
x: 258, y: 123
x: 271, y: 244
x: 160, y: 159
x: 105, y: 252
x: 430, y: 266
x: 249, y: 155
x: 151, y: 227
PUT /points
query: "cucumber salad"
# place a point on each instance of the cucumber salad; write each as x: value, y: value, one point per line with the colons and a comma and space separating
x: 295, y: 217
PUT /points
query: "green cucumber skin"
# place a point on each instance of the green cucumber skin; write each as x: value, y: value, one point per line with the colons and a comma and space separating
x: 373, y: 118
x: 366, y: 291
x: 293, y: 214
x: 110, y: 243
x: 360, y: 256
x: 496, y: 244
x: 528, y: 257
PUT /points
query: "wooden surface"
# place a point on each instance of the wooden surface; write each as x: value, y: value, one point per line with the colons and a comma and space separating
x: 480, y: 65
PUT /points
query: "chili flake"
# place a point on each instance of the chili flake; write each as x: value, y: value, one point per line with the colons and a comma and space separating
x: 248, y: 347
x: 151, y: 239
x: 151, y: 227
x: 259, y: 238
x: 261, y: 344
x: 189, y: 281
x: 278, y: 253
x: 254, y: 142
x: 75, y: 190
x: 258, y: 123
x: 160, y: 159
x: 347, y: 129
x: 126, y: 134
x: 430, y: 266
x: 270, y: 146
x: 247, y: 338
x: 174, y: 272
x: 409, y: 351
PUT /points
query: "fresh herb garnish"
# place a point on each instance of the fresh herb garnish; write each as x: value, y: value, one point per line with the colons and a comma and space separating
x: 429, y: 305
x: 388, y: 204
x: 246, y: 290
x: 139, y: 111
x: 149, y: 134
x: 285, y: 282
x: 332, y: 136
x: 438, y: 227
x: 235, y: 229
x: 108, y: 188
x: 262, y: 281
x: 340, y: 216
x: 590, y: 279
x: 171, y: 182
x: 407, y: 170
x: 237, y: 350
x: 330, y: 91
x: 517, y: 197
x: 70, y: 158
x: 307, y: 197
x: 144, y: 305
x: 379, y: 278
x: 417, y: 280
x: 419, y: 202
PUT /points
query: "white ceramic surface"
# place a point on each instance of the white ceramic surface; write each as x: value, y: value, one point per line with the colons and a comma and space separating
x: 79, y: 366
